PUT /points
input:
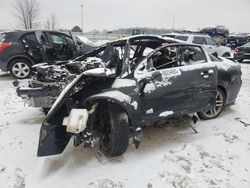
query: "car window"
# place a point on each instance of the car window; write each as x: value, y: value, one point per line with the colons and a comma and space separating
x: 247, y: 45
x: 29, y: 41
x: 164, y: 58
x: 210, y: 41
x: 4, y: 37
x: 44, y: 38
x: 60, y: 39
x: 180, y: 37
x: 199, y: 40
x: 174, y: 56
x: 190, y: 55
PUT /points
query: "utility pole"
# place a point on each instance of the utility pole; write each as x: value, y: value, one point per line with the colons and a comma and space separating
x: 82, y: 17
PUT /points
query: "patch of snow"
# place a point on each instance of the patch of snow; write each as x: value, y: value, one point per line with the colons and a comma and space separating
x: 150, y: 87
x: 134, y: 104
x: 166, y: 113
x: 118, y: 96
x: 168, y: 156
x: 150, y: 111
x: 85, y: 40
x: 101, y: 42
x: 119, y: 83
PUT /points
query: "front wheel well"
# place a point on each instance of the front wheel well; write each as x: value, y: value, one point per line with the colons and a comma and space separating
x: 104, y: 103
x: 16, y: 58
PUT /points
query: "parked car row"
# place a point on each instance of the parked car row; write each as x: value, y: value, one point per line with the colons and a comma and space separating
x: 210, y: 45
x: 213, y: 31
x: 19, y: 50
x: 243, y: 52
x: 111, y: 92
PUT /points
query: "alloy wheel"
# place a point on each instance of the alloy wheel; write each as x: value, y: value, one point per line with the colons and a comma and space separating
x: 21, y: 70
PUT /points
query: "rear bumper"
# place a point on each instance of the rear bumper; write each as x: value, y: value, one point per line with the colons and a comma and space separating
x: 3, y: 66
x: 238, y: 56
x: 38, y: 97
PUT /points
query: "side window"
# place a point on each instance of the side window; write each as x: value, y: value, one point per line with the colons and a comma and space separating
x: 190, y: 55
x: 44, y: 39
x: 210, y: 41
x: 165, y: 58
x: 29, y: 40
x: 58, y: 38
x: 180, y: 37
x: 199, y: 40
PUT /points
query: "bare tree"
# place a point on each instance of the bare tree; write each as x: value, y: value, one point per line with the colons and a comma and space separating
x: 26, y: 12
x: 51, y: 22
x: 47, y: 24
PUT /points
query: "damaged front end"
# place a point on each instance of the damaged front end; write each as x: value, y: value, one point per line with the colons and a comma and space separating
x: 74, y: 111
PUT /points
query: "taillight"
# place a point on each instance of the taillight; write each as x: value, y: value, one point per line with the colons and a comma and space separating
x: 236, y: 50
x: 3, y: 46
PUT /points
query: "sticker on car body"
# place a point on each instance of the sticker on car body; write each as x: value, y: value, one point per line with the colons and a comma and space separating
x: 170, y: 72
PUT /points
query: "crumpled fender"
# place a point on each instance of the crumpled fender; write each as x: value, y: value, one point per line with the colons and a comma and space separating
x: 125, y: 96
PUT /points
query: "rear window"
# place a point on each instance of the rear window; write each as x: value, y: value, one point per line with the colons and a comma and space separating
x: 4, y: 37
x: 183, y: 38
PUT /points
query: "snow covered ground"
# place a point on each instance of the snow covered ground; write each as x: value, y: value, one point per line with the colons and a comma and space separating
x: 169, y: 156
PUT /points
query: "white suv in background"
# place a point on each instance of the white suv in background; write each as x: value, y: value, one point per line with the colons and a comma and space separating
x: 210, y: 45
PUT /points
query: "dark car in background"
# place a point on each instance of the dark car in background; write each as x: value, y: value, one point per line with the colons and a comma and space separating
x: 213, y: 31
x: 20, y: 50
x: 243, y: 52
x: 234, y: 41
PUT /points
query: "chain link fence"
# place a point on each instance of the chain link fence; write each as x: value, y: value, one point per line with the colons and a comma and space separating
x: 94, y: 37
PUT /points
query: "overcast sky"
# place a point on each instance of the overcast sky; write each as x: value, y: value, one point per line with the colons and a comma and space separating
x: 113, y: 14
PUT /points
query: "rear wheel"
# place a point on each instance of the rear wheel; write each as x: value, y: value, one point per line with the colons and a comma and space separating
x: 114, y: 133
x: 20, y: 68
x: 215, y: 112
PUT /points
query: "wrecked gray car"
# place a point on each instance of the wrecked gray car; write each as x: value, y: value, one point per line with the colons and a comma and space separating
x: 48, y: 80
x: 113, y: 103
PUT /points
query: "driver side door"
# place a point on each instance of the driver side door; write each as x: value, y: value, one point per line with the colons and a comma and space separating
x: 62, y: 46
x: 179, y: 87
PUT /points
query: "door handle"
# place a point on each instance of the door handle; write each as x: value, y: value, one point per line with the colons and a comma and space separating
x: 206, y: 74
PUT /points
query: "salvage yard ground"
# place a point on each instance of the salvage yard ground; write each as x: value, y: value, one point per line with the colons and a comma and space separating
x: 169, y: 156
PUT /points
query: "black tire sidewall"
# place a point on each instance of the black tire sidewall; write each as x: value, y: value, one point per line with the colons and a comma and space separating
x: 12, y: 63
x: 119, y: 132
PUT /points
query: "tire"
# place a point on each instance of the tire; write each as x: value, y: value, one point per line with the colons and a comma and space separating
x: 20, y: 68
x: 114, y: 133
x: 215, y: 112
x: 240, y: 60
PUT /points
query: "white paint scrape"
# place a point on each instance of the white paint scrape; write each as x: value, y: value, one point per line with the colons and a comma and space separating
x: 150, y: 111
x: 166, y: 113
